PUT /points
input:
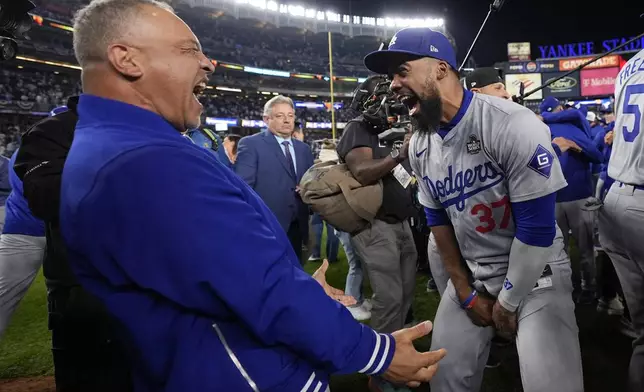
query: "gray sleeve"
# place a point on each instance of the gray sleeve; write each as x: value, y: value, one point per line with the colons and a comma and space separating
x: 524, y: 151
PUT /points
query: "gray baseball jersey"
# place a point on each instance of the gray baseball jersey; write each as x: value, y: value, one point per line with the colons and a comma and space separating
x: 627, y: 158
x: 498, y: 153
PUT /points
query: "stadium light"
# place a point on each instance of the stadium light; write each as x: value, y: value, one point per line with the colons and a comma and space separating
x: 233, y: 90
x: 296, y: 10
x: 330, y: 16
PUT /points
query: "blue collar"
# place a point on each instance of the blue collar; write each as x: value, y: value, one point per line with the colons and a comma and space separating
x: 93, y: 110
x: 465, y: 104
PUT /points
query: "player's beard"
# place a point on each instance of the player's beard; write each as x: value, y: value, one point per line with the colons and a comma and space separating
x: 431, y: 110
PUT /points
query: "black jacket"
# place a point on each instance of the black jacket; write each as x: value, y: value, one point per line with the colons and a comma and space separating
x: 39, y: 165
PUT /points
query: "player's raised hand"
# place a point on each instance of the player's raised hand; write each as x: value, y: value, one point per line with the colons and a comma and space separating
x: 409, y: 366
x: 481, y: 312
x: 505, y: 321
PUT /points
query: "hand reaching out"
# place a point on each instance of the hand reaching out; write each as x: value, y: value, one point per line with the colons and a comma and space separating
x: 336, y: 294
x: 409, y: 366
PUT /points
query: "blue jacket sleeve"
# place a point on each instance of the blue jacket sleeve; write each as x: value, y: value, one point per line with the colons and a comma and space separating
x: 588, y: 147
x: 246, y: 164
x: 568, y: 116
x: 220, y: 245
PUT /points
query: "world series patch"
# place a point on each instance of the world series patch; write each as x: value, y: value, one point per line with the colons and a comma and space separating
x: 541, y: 161
x: 473, y: 145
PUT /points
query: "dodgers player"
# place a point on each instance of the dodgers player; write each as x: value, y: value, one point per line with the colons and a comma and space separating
x: 623, y: 214
x: 489, y: 182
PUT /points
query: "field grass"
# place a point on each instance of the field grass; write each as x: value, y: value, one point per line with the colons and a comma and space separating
x: 25, y: 348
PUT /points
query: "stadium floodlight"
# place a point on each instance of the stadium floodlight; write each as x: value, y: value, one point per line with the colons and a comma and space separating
x: 233, y: 90
x: 390, y: 22
x: 310, y: 13
x: 272, y: 6
x: 332, y: 16
x: 296, y: 10
x: 320, y: 15
x: 261, y: 4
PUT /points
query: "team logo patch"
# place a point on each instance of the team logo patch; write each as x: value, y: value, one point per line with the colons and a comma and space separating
x: 541, y: 162
x: 473, y: 145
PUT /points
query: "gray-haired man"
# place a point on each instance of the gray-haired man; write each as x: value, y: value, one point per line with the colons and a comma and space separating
x: 273, y: 162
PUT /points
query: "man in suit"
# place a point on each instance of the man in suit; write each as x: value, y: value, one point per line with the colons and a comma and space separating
x: 272, y: 162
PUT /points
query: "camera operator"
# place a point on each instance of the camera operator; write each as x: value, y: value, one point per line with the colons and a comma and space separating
x: 375, y: 153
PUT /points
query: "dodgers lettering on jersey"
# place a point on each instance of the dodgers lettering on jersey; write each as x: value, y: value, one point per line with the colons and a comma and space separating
x: 454, y: 188
x: 626, y: 162
x: 499, y: 153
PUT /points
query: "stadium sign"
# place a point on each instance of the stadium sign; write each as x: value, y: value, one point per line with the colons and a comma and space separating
x: 588, y: 48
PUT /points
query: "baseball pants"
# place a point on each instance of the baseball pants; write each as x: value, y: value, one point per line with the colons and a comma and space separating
x: 439, y: 273
x: 621, y: 221
x: 388, y: 253
x: 20, y: 259
x: 572, y: 218
x: 547, y: 341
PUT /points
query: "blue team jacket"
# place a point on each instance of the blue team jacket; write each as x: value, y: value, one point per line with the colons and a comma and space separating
x: 606, y: 150
x: 572, y: 125
x: 200, y: 139
x: 19, y: 219
x: 594, y: 131
x: 195, y: 266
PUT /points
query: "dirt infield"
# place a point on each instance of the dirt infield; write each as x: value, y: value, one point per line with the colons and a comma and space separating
x: 33, y: 384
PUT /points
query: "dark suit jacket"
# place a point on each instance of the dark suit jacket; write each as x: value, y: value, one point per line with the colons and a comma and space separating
x: 261, y: 163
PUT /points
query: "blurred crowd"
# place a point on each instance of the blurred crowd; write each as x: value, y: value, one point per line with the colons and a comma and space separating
x: 241, y: 41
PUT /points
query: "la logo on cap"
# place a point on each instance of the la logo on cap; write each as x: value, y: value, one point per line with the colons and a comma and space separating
x: 393, y: 40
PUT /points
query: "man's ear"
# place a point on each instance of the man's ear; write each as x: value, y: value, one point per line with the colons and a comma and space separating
x: 442, y: 70
x: 475, y: 90
x: 125, y: 60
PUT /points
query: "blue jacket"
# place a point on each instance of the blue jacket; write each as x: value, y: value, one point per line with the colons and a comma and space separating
x: 594, y: 130
x: 262, y: 164
x: 200, y: 139
x: 5, y: 186
x: 19, y: 219
x: 572, y: 125
x: 195, y: 266
x: 606, y: 150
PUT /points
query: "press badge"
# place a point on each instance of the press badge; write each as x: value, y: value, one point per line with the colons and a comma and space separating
x: 543, y: 283
x: 402, y: 176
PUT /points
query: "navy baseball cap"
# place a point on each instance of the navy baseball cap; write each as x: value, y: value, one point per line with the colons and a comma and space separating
x: 408, y: 44
x: 482, y: 77
x: 549, y: 104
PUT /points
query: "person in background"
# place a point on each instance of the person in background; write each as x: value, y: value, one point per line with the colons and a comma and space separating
x: 5, y: 187
x: 298, y: 132
x: 87, y: 347
x: 211, y: 141
x: 212, y: 297
x: 272, y: 162
x: 327, y: 154
x: 487, y: 81
x: 22, y: 248
x: 571, y: 214
x: 386, y: 246
x: 595, y: 128
x: 231, y: 141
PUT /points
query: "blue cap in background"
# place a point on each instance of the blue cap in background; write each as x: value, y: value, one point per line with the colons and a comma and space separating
x: 408, y: 44
x: 58, y: 110
x: 549, y: 104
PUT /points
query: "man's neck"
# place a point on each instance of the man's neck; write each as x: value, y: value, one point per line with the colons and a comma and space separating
x: 452, y: 100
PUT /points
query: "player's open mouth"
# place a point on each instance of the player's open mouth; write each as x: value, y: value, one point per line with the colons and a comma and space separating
x: 199, y: 89
x: 412, y: 102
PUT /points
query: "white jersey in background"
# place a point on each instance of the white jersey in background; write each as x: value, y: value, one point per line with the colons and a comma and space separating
x: 627, y: 160
x: 491, y: 158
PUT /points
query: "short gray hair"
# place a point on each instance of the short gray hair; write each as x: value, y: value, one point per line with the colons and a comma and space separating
x: 102, y: 22
x: 276, y: 100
